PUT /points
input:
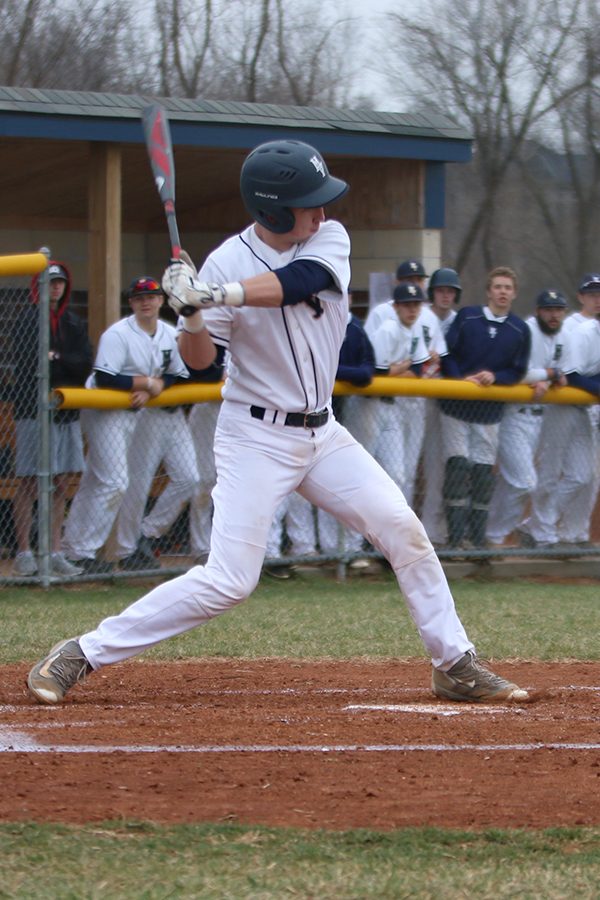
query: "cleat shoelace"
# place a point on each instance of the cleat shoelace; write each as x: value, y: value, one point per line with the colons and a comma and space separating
x: 68, y: 670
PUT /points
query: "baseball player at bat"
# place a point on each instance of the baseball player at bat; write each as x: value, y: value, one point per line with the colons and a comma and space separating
x: 275, y: 296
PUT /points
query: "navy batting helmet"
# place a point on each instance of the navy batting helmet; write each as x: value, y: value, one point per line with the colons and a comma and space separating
x: 283, y: 174
x: 408, y: 293
x: 445, y: 278
x: 549, y: 299
x: 146, y: 284
x: 410, y: 268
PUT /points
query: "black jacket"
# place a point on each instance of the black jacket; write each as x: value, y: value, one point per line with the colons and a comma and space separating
x: 68, y: 339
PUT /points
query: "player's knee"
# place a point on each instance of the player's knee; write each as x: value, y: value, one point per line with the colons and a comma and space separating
x: 234, y: 585
x: 401, y: 537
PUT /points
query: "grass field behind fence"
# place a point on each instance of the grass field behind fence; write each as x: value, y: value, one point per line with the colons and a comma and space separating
x: 309, y: 616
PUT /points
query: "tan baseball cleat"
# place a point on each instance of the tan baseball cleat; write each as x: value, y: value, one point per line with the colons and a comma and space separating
x: 54, y: 675
x: 469, y: 680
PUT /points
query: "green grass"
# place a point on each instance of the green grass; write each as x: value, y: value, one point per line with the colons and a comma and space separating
x: 217, y: 861
x: 316, y: 617
x: 309, y: 616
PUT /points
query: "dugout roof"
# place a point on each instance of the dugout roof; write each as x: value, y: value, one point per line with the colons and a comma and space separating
x: 45, y: 138
x: 75, y: 161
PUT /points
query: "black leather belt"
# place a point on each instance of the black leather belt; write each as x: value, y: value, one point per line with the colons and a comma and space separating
x: 535, y: 411
x: 295, y: 420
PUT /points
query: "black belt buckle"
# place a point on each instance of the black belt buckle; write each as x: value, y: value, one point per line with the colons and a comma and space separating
x: 295, y: 420
x: 307, y: 420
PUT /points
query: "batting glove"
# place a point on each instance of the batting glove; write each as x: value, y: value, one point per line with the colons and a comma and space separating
x: 184, y: 290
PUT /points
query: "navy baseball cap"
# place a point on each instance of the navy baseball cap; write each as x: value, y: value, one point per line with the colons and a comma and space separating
x: 590, y: 284
x: 408, y: 293
x: 550, y: 299
x: 56, y: 271
x: 409, y: 268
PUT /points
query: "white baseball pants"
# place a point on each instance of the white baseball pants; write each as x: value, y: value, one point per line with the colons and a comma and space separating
x: 560, y: 505
x: 159, y: 436
x: 518, y: 441
x: 109, y: 434
x: 258, y: 465
x: 203, y: 422
x: 433, y: 514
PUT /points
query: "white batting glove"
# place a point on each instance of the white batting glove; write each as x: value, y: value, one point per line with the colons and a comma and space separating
x: 175, y: 279
x: 203, y: 295
x: 180, y: 284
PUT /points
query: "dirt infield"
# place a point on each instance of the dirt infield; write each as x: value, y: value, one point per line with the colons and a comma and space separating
x: 315, y: 744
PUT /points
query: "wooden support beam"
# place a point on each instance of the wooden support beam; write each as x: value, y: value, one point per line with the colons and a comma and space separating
x: 104, y: 223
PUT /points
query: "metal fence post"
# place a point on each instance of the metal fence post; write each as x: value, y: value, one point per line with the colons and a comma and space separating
x: 44, y: 479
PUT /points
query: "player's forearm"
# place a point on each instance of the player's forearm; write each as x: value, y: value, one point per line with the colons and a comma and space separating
x: 263, y: 290
x: 197, y: 349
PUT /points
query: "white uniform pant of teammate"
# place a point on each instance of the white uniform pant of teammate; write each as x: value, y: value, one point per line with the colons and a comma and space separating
x: 567, y: 476
x: 361, y: 421
x: 518, y: 441
x: 109, y: 434
x: 401, y: 433
x: 476, y: 441
x: 258, y: 465
x: 160, y: 436
x: 433, y: 515
x: 297, y: 515
x: 203, y: 421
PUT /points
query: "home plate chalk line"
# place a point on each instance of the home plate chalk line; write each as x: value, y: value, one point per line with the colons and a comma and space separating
x: 13, y: 740
x: 16, y: 742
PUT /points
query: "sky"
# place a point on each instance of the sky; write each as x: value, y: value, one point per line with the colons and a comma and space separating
x: 370, y: 12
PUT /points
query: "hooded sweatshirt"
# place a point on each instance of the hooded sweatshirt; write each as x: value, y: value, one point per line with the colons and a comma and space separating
x: 68, y: 340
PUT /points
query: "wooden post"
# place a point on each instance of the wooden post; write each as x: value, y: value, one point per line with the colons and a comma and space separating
x: 104, y: 218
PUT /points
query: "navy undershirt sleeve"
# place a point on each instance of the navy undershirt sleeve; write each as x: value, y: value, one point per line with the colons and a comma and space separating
x: 125, y: 382
x: 301, y: 279
x: 589, y: 383
x: 114, y: 382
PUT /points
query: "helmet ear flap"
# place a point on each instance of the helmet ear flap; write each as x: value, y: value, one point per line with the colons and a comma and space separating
x: 278, y: 221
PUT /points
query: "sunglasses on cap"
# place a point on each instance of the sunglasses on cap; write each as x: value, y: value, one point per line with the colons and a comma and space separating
x: 145, y: 286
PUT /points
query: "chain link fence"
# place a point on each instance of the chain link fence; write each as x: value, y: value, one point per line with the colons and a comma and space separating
x: 139, y: 499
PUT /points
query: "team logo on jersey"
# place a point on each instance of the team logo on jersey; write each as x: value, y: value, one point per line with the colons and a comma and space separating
x: 413, y: 345
x: 492, y: 331
x: 318, y: 164
x: 166, y: 355
x: 558, y: 352
x: 426, y: 335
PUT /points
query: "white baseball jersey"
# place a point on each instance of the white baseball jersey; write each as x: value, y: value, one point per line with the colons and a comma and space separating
x: 447, y: 322
x: 394, y: 342
x: 125, y: 349
x: 284, y: 358
x: 574, y: 321
x: 547, y: 352
x: 377, y: 316
x: 430, y: 325
x: 583, y: 351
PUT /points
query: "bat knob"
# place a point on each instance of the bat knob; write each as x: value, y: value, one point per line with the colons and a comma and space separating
x: 187, y: 311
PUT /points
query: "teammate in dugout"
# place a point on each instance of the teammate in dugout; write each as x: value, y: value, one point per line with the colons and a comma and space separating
x: 275, y: 296
x: 487, y: 345
x: 521, y: 426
